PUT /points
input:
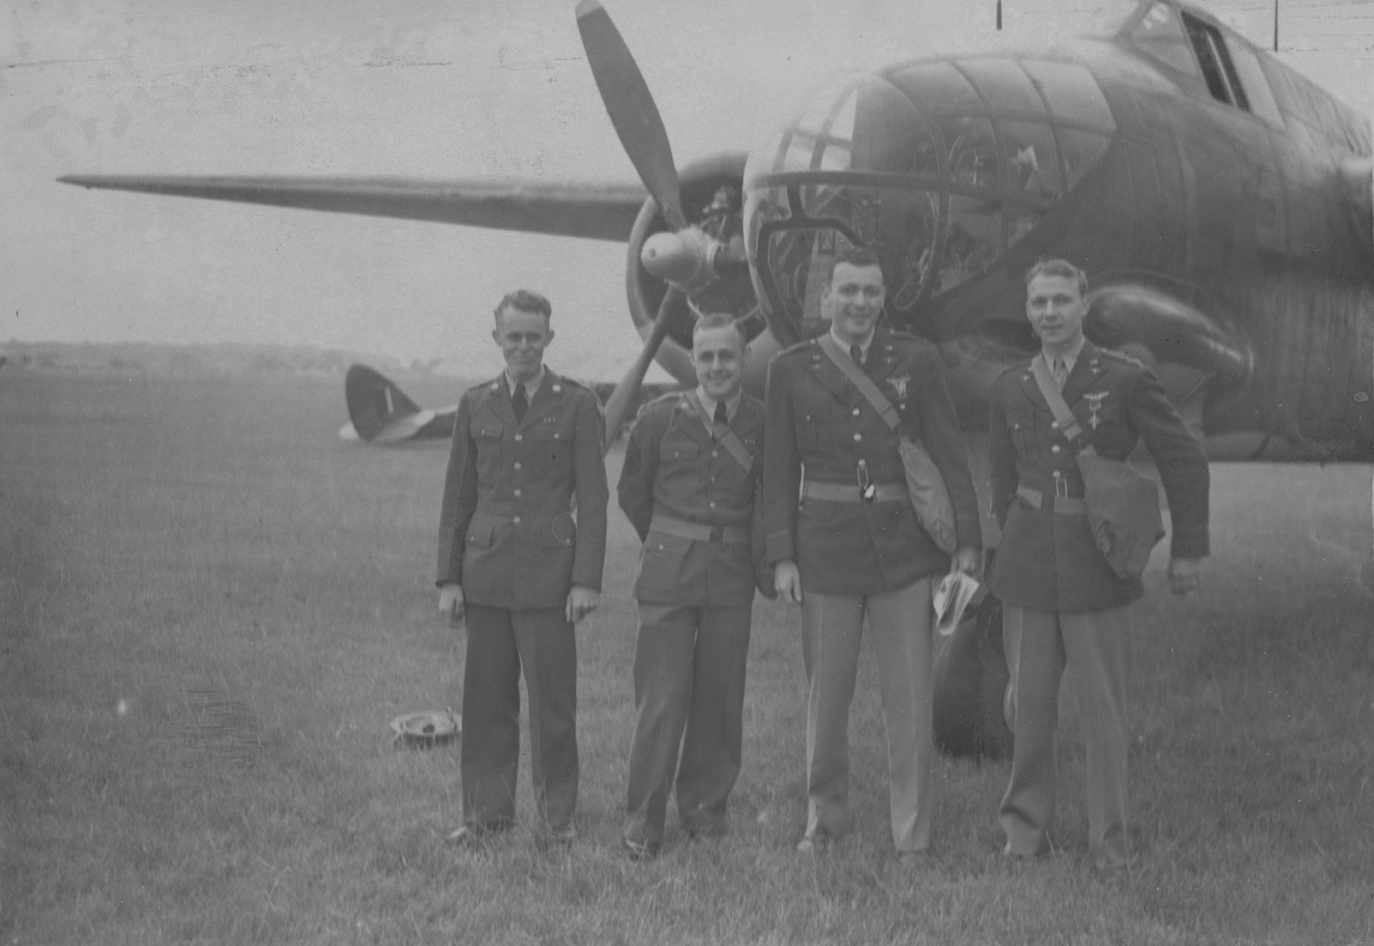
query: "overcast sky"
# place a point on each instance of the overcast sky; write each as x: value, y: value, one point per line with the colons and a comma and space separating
x: 456, y: 89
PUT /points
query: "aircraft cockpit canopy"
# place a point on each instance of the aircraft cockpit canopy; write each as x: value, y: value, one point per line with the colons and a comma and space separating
x: 938, y: 166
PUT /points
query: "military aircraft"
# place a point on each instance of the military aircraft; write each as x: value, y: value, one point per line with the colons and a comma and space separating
x: 1220, y: 202
x: 379, y: 412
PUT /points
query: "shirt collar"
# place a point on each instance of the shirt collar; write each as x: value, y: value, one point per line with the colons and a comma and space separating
x: 530, y: 386
x: 708, y: 402
x: 863, y: 345
x: 1070, y: 355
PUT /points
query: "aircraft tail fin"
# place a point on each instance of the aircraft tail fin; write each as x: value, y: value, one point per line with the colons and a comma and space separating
x: 377, y: 407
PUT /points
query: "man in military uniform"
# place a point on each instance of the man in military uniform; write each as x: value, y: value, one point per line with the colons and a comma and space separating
x: 527, y: 451
x: 853, y: 546
x: 1062, y: 601
x: 688, y: 486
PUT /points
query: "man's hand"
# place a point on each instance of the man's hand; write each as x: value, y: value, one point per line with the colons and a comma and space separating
x: 787, y: 581
x: 451, y: 603
x: 1185, y: 574
x: 968, y: 559
x: 582, y: 601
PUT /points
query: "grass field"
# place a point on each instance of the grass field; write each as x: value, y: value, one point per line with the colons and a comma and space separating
x: 210, y: 609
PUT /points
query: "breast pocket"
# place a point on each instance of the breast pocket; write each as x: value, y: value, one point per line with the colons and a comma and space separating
x: 556, y: 443
x: 486, y: 435
x: 819, y: 415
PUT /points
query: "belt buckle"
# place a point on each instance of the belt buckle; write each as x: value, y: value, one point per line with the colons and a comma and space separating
x: 868, y: 491
x: 1061, y: 488
x: 717, y: 535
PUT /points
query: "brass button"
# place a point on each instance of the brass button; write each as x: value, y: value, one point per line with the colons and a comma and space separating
x: 517, y: 494
x: 516, y: 520
x: 518, y: 438
x: 856, y: 412
x: 517, y: 464
x: 1054, y: 449
x: 1057, y: 474
x: 858, y: 437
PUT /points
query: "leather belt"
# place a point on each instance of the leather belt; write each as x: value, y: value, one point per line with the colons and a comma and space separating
x: 721, y: 535
x: 1073, y: 505
x: 850, y: 492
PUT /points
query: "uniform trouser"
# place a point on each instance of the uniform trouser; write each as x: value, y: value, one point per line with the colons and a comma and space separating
x: 502, y: 643
x: 1096, y: 646
x: 900, y: 622
x: 689, y: 700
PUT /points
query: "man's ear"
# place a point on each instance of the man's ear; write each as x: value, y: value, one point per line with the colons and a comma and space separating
x: 548, y: 337
x: 496, y: 336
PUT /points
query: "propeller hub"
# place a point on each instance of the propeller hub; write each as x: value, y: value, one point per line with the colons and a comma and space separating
x: 684, y: 259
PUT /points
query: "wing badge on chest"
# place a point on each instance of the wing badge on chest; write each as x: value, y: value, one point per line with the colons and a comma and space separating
x: 899, y: 382
x: 1094, y: 399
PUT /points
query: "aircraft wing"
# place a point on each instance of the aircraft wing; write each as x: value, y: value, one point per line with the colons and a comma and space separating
x: 592, y: 211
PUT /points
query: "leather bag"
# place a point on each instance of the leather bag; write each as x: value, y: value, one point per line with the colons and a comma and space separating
x: 929, y: 497
x: 1123, y: 505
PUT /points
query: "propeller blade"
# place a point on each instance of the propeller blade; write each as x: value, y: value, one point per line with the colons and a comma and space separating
x: 632, y: 109
x: 618, y: 404
x: 592, y: 211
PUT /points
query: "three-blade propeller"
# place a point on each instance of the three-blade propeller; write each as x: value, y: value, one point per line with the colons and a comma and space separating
x: 640, y: 128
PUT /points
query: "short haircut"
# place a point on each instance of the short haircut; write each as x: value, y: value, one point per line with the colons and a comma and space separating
x: 1061, y: 268
x: 857, y: 256
x: 525, y: 301
x: 719, y: 320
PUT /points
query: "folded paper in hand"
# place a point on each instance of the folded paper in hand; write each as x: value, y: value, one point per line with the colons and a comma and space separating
x: 951, y: 596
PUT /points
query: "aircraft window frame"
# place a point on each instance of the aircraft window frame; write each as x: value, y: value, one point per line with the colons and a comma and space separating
x: 1259, y: 94
x: 1004, y: 86
x: 940, y: 88
x: 1169, y: 45
x: 1218, y: 71
x: 1072, y: 93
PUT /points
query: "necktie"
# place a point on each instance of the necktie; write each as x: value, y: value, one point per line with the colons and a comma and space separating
x: 857, y: 354
x: 721, y: 418
x: 1059, y: 372
x: 520, y: 402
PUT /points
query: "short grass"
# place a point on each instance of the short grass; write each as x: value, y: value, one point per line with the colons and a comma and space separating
x: 258, y: 599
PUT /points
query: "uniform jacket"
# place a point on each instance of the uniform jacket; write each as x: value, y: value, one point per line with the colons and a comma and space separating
x: 1047, y: 560
x: 673, y: 467
x: 506, y: 532
x: 820, y: 424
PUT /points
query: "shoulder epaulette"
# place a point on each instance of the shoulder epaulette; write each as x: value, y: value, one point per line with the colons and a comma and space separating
x: 1122, y: 357
x: 1015, y: 366
x: 803, y: 345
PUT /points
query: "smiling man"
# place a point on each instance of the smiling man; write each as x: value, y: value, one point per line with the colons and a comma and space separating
x: 688, y: 486
x: 1063, y: 604
x: 853, y: 545
x: 513, y: 561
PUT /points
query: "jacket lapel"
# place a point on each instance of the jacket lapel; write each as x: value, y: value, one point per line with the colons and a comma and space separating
x: 1086, y: 370
x: 498, y: 400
